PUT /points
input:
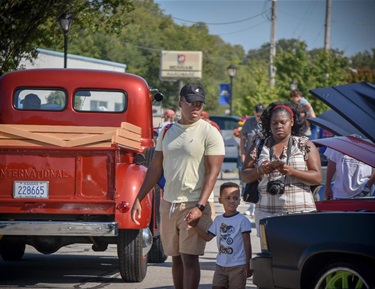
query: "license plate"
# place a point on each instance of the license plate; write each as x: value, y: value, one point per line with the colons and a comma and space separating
x: 31, y: 189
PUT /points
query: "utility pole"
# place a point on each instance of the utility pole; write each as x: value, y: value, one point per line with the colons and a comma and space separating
x: 272, y: 72
x: 327, y: 36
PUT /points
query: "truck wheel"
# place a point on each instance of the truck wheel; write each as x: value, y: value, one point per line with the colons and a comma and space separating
x: 344, y: 275
x: 133, y: 265
x: 12, y: 250
x: 156, y: 254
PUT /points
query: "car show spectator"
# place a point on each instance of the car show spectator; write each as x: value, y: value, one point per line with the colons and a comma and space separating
x: 307, y: 111
x: 251, y: 127
x: 190, y: 154
x: 287, y: 166
x: 168, y: 117
x: 232, y: 231
x: 206, y: 116
x: 353, y: 178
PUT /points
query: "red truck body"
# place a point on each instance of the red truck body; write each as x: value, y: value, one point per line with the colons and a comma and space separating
x: 64, y: 177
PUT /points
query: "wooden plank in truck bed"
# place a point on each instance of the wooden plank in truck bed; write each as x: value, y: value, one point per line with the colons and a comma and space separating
x: 127, y: 135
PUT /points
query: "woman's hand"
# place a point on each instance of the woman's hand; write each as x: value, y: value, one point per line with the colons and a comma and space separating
x: 265, y: 168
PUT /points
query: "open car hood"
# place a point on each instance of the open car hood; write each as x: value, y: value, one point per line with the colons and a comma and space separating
x: 335, y: 123
x: 353, y: 112
x: 355, y: 147
x: 355, y: 103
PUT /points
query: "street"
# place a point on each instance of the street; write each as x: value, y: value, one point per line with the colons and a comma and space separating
x: 77, y: 266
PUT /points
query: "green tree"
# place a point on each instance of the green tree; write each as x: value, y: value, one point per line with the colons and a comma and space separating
x: 28, y: 24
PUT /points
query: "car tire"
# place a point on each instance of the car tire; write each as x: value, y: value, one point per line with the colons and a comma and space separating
x: 133, y: 264
x: 350, y: 272
x: 156, y: 254
x: 12, y: 250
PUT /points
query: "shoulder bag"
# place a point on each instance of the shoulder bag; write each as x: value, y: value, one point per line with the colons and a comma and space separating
x: 250, y: 193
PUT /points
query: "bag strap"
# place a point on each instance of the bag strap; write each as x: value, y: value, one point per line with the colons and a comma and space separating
x: 260, y: 147
x: 168, y: 126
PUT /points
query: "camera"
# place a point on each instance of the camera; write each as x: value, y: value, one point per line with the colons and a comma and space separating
x: 275, y: 187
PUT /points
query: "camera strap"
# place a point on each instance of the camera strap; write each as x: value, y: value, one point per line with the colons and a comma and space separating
x: 288, y: 152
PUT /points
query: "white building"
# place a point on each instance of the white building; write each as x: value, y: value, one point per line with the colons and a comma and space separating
x: 54, y: 59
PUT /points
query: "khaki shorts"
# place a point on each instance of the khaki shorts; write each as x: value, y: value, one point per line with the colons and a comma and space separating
x: 177, y: 238
x: 229, y: 277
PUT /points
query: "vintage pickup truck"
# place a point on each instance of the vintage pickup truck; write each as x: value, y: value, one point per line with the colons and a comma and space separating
x: 74, y: 149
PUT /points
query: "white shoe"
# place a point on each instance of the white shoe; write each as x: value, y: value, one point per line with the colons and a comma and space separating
x: 247, y: 213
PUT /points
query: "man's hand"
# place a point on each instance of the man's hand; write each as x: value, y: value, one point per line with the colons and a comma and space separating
x: 193, y: 217
x: 136, y: 211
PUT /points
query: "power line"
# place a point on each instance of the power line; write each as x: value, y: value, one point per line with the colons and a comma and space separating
x: 220, y: 23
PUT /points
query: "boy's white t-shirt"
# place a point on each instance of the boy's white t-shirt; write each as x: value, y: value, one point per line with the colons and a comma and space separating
x: 229, y: 239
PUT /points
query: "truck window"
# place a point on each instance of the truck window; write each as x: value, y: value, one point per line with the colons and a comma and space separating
x: 39, y: 99
x: 99, y: 101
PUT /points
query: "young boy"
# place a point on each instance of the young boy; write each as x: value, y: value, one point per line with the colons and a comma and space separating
x: 232, y: 231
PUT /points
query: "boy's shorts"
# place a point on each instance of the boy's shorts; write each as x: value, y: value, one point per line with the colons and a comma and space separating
x: 229, y: 277
x: 176, y: 236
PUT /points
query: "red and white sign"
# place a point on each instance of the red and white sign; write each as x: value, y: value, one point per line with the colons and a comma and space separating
x: 175, y: 65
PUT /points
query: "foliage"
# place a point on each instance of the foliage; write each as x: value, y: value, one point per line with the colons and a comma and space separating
x: 237, y: 131
x: 135, y: 33
x: 28, y: 24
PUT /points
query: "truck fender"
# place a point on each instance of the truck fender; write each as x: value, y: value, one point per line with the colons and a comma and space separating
x: 129, y: 178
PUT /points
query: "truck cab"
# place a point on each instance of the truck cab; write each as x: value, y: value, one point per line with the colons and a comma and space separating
x: 75, y: 145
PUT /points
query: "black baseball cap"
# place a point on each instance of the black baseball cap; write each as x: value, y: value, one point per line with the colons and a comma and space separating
x: 193, y: 92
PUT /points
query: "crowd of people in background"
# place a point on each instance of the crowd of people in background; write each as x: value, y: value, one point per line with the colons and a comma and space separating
x: 275, y: 148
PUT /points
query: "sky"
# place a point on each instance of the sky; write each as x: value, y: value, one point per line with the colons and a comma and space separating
x: 247, y: 22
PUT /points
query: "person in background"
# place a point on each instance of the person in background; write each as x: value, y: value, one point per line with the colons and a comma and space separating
x: 251, y: 127
x: 191, y: 154
x: 288, y: 164
x: 232, y: 231
x: 307, y: 110
x: 205, y: 116
x: 168, y: 117
x: 31, y: 101
x: 352, y: 178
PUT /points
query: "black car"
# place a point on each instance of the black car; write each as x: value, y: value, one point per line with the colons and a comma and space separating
x: 333, y: 247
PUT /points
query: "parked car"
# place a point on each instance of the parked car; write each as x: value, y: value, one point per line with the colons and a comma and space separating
x: 227, y: 124
x: 333, y: 247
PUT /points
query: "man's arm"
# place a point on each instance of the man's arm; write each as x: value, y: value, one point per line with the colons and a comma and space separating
x: 153, y: 174
x: 331, y: 170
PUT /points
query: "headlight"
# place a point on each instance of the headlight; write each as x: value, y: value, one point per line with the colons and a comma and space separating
x: 263, y: 238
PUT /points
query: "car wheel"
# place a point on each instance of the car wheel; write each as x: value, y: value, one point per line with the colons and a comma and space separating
x: 344, y: 275
x: 156, y: 254
x: 316, y: 193
x: 133, y: 264
x: 12, y: 250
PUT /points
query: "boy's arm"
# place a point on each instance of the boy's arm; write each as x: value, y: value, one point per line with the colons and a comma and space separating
x: 248, y: 251
x: 204, y: 234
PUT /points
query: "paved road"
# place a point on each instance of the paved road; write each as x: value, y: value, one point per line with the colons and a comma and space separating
x: 77, y: 266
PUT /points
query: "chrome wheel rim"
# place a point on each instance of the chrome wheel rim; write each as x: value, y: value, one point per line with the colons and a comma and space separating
x: 342, y: 278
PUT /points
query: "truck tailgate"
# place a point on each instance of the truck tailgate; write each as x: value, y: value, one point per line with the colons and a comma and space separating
x: 58, y: 180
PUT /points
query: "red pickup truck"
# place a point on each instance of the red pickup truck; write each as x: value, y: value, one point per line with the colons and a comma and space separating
x: 74, y: 149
